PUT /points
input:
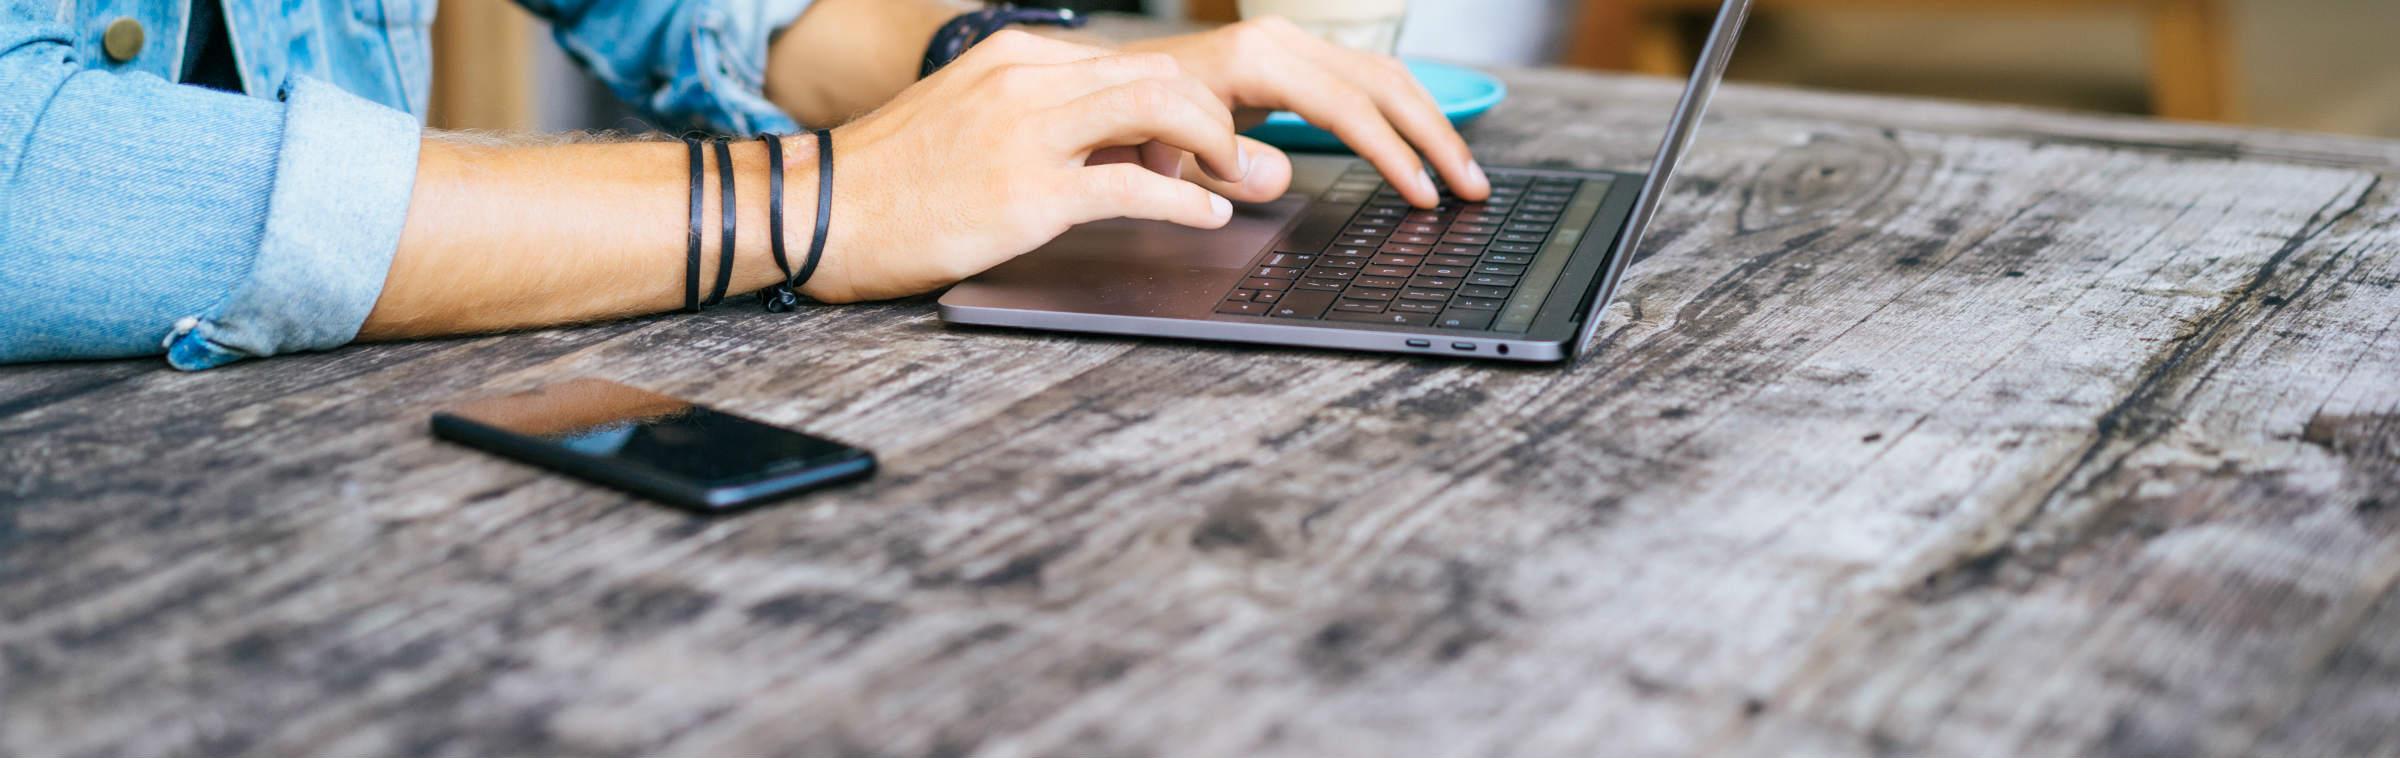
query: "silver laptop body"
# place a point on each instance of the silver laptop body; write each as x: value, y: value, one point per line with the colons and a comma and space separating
x: 1155, y: 279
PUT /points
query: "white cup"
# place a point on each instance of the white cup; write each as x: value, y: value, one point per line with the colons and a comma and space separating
x: 1370, y: 25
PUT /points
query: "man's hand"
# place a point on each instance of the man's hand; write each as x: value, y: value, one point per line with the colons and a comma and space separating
x: 1370, y: 101
x: 994, y: 156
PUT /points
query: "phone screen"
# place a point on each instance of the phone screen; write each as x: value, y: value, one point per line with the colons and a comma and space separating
x: 652, y: 443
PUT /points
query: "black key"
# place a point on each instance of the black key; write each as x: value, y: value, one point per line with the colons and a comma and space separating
x: 1397, y: 260
x: 1516, y: 247
x: 1418, y: 293
x: 1288, y: 260
x: 1469, y: 250
x: 1489, y: 280
x: 1302, y: 305
x: 1490, y: 208
x: 1243, y: 309
x: 1434, y: 283
x: 1316, y: 229
x: 1527, y: 227
x: 1422, y: 217
x: 1363, y: 293
x: 1325, y: 272
x: 1323, y: 285
x: 1266, y: 297
x: 1488, y: 293
x: 1402, y: 318
x: 1544, y: 207
x: 1277, y: 285
x: 1382, y: 282
x: 1458, y: 319
x: 1347, y: 241
x: 1413, y: 306
x: 1349, y: 252
x: 1399, y: 249
x: 1538, y: 218
x: 1521, y: 237
x: 1448, y: 271
x: 1240, y: 296
x: 1476, y: 304
x: 1473, y: 228
x: 1500, y: 268
x: 1471, y: 239
x: 1548, y: 197
x: 1513, y: 259
x: 1471, y: 217
x: 1414, y: 239
x: 1271, y: 272
x: 1420, y: 229
x: 1389, y: 214
x: 1450, y: 260
x: 1359, y: 306
x: 1367, y: 230
x: 1390, y: 270
x: 1343, y: 263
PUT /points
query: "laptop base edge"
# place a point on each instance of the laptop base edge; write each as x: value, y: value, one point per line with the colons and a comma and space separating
x: 1303, y: 334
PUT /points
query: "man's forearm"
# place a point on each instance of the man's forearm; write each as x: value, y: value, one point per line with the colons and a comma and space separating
x: 846, y: 57
x: 507, y: 237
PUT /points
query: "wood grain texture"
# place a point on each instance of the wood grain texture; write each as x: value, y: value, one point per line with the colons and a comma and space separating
x: 1920, y: 428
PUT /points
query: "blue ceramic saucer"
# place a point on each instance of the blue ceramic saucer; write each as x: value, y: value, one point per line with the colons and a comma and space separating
x: 1463, y: 93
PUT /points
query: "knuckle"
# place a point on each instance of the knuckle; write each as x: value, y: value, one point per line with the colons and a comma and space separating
x: 1148, y: 97
x: 1255, y: 36
x: 1269, y: 25
x: 1121, y: 186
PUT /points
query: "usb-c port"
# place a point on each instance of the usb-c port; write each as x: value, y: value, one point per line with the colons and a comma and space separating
x: 1463, y: 346
x: 1420, y: 343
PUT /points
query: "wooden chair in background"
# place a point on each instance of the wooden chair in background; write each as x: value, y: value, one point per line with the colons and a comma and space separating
x: 2190, y: 45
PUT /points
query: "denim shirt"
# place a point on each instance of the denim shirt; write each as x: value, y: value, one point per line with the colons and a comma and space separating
x: 139, y: 216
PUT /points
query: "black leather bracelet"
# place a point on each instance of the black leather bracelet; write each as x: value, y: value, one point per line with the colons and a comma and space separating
x: 778, y: 297
x: 953, y: 39
x: 691, y: 244
x: 816, y: 241
x: 729, y: 211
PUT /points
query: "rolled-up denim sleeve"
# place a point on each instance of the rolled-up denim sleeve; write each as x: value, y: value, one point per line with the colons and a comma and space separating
x: 684, y: 63
x: 142, y: 217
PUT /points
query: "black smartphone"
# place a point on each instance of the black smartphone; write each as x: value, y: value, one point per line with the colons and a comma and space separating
x: 671, y: 450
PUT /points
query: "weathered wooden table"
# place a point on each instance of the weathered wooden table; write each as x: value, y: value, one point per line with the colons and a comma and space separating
x: 1920, y: 428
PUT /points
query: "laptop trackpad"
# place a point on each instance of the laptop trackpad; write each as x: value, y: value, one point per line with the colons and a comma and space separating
x: 1134, y: 268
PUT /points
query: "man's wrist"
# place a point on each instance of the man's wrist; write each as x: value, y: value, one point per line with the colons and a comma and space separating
x: 963, y: 32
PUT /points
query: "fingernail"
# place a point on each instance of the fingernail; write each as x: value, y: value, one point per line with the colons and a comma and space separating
x: 1241, y: 155
x: 1221, y: 206
x: 1475, y: 170
x: 1425, y: 181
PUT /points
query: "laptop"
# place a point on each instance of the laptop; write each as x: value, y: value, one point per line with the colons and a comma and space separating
x: 1342, y: 262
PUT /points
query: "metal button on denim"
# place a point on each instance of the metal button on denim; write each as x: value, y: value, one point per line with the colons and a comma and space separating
x: 123, y: 40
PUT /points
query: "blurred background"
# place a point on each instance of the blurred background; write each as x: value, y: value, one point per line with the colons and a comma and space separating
x: 2310, y: 65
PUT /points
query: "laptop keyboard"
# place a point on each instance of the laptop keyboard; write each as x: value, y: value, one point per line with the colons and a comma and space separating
x: 1362, y: 254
